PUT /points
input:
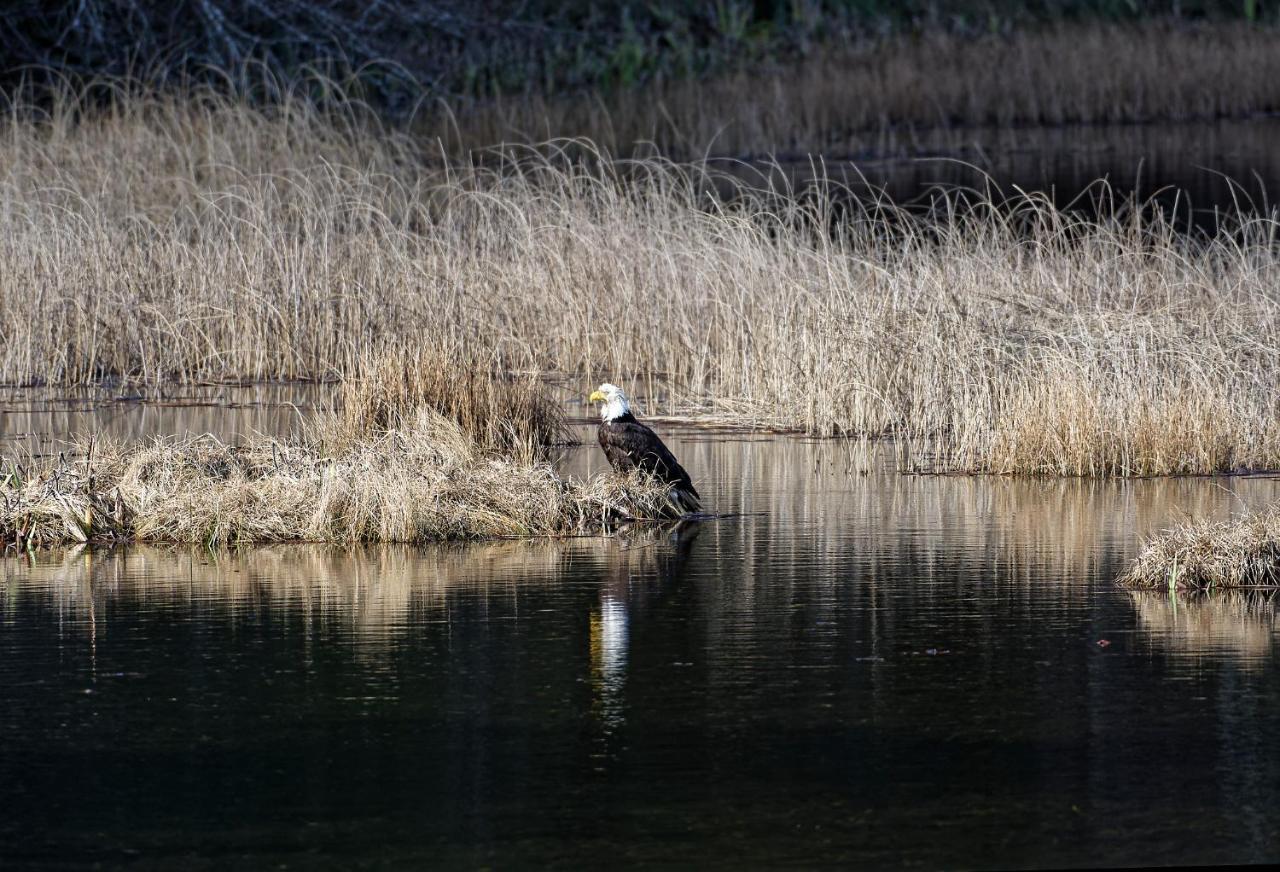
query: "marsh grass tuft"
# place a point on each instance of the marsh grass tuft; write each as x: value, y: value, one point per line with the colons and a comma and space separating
x: 1242, y: 553
x: 507, y: 413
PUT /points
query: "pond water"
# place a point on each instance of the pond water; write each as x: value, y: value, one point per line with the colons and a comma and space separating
x: 855, y: 667
x: 40, y: 421
x: 1196, y: 172
x: 873, y: 669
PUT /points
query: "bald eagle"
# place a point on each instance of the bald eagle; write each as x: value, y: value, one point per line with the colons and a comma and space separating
x: 629, y: 444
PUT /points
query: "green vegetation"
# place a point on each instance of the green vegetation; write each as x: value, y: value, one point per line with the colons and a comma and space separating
x: 898, y: 94
x: 687, y: 79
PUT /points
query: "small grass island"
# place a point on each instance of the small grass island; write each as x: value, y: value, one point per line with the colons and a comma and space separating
x: 426, y: 446
x: 1199, y: 556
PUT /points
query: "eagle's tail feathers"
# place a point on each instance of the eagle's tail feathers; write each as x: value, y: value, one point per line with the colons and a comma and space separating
x: 684, y: 501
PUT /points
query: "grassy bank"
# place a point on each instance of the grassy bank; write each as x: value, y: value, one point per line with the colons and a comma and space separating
x: 415, y: 465
x: 203, y: 239
x: 1243, y: 553
x: 677, y: 71
x: 882, y: 95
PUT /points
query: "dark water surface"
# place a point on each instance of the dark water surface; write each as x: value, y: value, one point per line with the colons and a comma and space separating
x: 865, y: 669
x: 1197, y: 172
x: 43, y: 420
x: 871, y: 669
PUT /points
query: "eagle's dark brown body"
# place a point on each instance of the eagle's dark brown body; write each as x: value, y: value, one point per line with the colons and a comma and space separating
x: 630, y: 445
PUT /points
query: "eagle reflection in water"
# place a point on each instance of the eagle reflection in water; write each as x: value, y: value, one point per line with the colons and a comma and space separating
x: 642, y: 559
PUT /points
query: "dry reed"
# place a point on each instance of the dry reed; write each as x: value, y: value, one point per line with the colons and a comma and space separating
x: 1242, y: 553
x: 506, y: 413
x: 189, y: 239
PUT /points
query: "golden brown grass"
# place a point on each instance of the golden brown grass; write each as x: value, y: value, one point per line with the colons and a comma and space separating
x: 425, y: 483
x: 401, y: 467
x: 883, y: 94
x: 506, y: 413
x: 1242, y: 553
x: 170, y: 239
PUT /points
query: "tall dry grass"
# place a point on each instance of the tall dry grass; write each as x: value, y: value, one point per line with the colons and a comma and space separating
x: 421, y: 484
x: 194, y: 239
x: 506, y: 413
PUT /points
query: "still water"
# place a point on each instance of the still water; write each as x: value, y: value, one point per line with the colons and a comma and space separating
x: 874, y: 669
x: 857, y: 667
x: 48, y: 420
x: 1197, y: 173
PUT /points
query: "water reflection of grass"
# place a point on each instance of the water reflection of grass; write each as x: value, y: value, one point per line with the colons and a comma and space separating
x: 1240, y: 623
x: 373, y: 590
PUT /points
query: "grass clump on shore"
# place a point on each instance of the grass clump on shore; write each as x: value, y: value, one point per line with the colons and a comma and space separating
x: 1242, y: 553
x: 185, y: 240
x: 417, y: 475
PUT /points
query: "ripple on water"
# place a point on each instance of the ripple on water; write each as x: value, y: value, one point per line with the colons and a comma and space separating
x: 850, y: 663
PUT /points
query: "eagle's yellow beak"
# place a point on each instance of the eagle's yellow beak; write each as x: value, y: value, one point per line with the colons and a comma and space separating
x: 596, y: 397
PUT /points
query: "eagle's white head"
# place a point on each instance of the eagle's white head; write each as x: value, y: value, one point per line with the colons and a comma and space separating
x: 614, y: 400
